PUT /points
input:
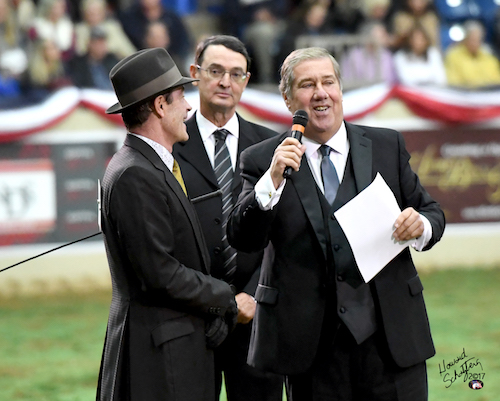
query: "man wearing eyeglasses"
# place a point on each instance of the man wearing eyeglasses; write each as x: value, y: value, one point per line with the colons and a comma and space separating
x: 209, y: 161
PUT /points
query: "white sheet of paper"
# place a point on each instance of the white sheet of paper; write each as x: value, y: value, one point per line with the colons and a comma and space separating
x: 368, y: 223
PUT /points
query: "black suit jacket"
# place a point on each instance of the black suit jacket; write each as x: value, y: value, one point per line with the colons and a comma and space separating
x: 80, y: 70
x: 200, y: 179
x: 155, y: 347
x: 291, y: 294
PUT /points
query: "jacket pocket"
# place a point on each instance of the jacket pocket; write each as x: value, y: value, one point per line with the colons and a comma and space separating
x: 415, y: 285
x: 266, y: 295
x: 172, y: 329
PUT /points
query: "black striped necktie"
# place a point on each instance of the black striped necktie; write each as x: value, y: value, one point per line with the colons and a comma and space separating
x: 224, y: 172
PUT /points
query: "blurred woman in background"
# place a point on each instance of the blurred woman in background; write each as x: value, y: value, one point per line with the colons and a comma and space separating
x: 418, y: 62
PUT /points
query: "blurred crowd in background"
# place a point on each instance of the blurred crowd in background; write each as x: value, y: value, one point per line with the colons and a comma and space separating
x: 49, y: 44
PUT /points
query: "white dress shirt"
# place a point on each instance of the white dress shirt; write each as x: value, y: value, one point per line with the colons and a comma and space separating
x: 161, y: 150
x: 207, y: 129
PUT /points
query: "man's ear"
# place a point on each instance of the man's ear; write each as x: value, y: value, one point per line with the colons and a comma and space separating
x: 193, y: 71
x: 158, y: 106
x: 287, y: 102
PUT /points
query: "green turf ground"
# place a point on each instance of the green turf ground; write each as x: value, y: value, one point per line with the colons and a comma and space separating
x: 50, y: 347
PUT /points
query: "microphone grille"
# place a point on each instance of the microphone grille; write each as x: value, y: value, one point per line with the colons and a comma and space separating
x: 300, y: 117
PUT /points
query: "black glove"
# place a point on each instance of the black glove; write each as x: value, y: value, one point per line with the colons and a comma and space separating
x: 218, y: 328
x: 216, y: 332
x: 231, y: 316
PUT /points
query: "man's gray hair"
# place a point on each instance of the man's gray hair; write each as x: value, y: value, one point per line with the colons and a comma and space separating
x: 298, y: 56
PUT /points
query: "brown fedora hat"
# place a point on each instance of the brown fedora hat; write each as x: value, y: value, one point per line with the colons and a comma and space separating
x: 143, y: 75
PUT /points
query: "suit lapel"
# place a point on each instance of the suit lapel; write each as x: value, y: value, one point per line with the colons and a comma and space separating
x: 307, y: 190
x: 247, y: 137
x: 193, y: 151
x: 361, y: 156
x: 149, y: 153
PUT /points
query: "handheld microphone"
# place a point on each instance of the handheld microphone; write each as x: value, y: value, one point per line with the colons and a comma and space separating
x: 300, y: 119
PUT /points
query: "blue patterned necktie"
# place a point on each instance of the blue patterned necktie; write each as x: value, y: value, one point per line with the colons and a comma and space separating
x: 224, y: 172
x: 328, y: 174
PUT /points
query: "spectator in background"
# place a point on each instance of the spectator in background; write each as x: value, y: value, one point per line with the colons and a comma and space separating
x: 376, y: 10
x: 237, y: 15
x: 157, y: 35
x: 313, y: 20
x: 416, y: 12
x: 259, y: 24
x: 496, y: 33
x: 119, y: 5
x: 25, y: 11
x: 261, y: 35
x: 418, y: 62
x: 10, y: 33
x: 137, y: 17
x: 46, y: 70
x: 470, y: 63
x: 54, y: 24
x: 94, y: 14
x: 13, y: 57
x: 345, y: 16
x: 92, y: 69
x: 372, y: 62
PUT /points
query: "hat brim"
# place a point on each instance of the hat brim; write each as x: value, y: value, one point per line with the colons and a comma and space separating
x: 117, y: 107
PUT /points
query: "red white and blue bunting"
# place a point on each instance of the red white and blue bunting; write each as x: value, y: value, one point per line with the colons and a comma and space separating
x: 443, y: 105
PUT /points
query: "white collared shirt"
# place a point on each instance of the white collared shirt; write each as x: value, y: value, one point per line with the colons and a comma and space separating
x: 207, y: 129
x: 268, y: 196
x: 161, y: 150
x: 338, y: 155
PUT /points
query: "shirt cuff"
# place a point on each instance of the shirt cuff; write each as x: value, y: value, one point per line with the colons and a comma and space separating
x: 422, y: 241
x: 265, y: 193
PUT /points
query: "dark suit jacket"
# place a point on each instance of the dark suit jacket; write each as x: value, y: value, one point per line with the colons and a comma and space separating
x: 291, y: 295
x: 155, y: 347
x: 200, y: 179
x: 80, y: 70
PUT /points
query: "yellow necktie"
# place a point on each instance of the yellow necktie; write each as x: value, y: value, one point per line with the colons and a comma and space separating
x: 176, y: 171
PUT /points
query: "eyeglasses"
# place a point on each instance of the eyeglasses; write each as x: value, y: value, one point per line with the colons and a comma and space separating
x: 217, y: 72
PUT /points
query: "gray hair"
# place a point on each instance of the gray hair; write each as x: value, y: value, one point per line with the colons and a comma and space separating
x: 472, y: 26
x: 298, y: 56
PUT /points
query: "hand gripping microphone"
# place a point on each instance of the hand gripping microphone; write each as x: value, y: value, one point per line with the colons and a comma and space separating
x: 300, y: 119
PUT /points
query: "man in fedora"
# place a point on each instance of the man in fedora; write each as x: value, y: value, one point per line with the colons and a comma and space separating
x: 167, y: 312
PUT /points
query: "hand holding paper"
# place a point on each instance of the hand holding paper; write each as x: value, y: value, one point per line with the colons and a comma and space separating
x: 368, y: 223
x: 408, y: 225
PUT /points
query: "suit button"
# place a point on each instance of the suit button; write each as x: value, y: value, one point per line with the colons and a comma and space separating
x: 217, y: 221
x: 336, y: 247
x: 340, y: 277
x: 343, y: 310
x: 217, y: 250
